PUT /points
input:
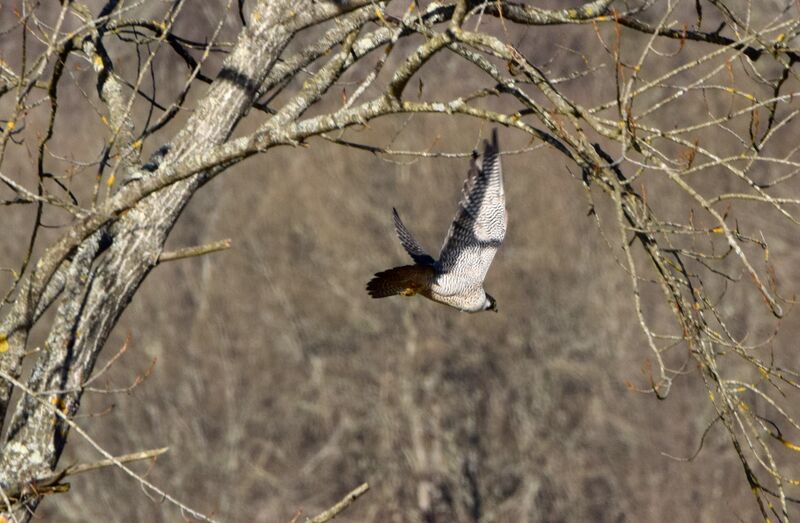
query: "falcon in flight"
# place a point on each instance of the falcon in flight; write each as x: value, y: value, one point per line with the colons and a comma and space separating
x: 456, y: 278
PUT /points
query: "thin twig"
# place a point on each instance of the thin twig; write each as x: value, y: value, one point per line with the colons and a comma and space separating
x: 340, y: 506
x: 199, y: 250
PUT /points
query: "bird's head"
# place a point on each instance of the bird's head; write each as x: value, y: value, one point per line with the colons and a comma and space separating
x: 490, y: 304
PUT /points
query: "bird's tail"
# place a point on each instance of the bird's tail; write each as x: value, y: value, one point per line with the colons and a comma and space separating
x: 407, y: 280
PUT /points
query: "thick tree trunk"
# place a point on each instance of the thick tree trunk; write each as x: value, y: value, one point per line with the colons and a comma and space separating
x: 109, y: 266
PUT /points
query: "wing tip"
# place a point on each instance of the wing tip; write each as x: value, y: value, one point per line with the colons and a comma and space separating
x: 492, y: 146
x: 398, y: 223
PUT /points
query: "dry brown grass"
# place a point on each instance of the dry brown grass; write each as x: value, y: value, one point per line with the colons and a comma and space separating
x: 280, y: 385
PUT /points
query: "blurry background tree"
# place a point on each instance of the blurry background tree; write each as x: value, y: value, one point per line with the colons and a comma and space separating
x: 651, y: 160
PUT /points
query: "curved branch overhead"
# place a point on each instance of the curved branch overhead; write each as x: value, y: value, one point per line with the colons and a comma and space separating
x: 675, y: 114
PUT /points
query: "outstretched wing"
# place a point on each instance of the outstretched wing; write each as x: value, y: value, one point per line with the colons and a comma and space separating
x: 480, y: 223
x: 410, y: 244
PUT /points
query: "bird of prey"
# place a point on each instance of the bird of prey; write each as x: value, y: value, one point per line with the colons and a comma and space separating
x: 456, y: 278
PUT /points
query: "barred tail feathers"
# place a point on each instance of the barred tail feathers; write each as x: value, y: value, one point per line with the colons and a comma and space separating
x: 407, y: 280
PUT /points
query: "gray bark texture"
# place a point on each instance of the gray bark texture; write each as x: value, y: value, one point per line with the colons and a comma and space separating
x: 286, y: 62
x: 100, y: 282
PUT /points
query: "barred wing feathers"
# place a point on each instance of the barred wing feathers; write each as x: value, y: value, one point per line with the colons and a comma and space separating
x: 480, y: 223
x: 410, y: 244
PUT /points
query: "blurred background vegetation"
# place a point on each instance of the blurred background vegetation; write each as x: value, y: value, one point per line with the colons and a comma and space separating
x: 279, y: 385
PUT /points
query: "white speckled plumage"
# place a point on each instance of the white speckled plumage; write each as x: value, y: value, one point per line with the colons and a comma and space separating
x: 456, y: 278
